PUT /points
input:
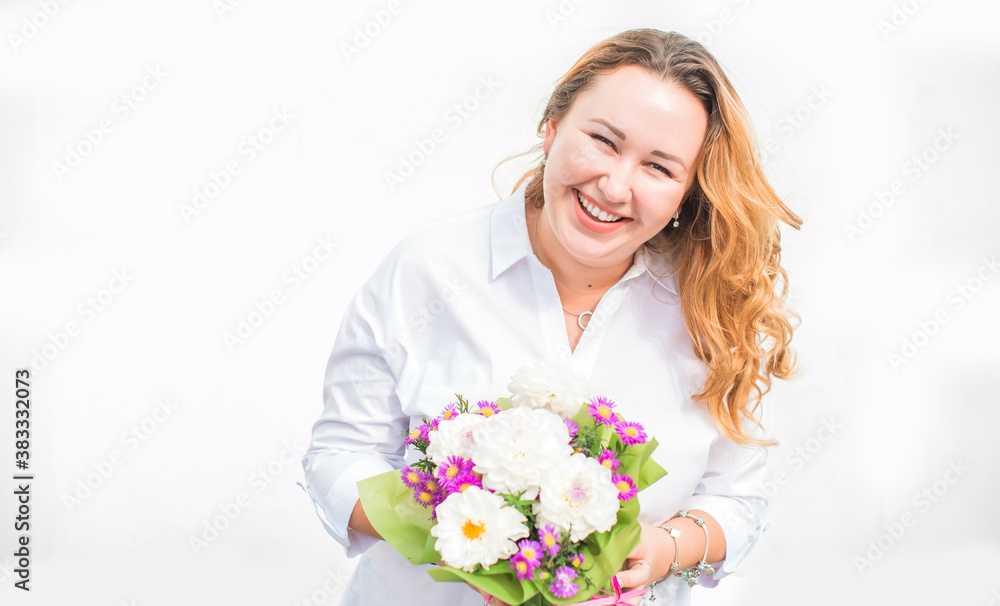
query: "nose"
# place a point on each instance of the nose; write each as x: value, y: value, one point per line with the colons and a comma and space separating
x: 617, y: 183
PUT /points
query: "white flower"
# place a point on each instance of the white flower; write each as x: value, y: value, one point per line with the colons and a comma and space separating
x: 475, y: 527
x: 453, y: 438
x: 578, y: 496
x: 556, y: 387
x: 515, y: 449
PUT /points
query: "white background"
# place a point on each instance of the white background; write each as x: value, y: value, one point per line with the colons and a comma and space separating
x: 846, y: 103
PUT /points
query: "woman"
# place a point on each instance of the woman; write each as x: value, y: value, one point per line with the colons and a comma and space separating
x: 643, y: 251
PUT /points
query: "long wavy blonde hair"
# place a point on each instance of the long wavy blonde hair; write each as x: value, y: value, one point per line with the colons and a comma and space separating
x: 727, y: 249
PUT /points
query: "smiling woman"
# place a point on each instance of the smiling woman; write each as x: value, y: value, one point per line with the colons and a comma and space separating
x: 643, y: 251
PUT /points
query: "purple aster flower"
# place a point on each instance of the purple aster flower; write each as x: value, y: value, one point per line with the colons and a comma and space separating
x: 411, y: 477
x: 527, y: 560
x: 454, y: 467
x: 572, y: 427
x: 450, y: 412
x: 563, y: 587
x: 602, y: 411
x: 487, y: 408
x: 607, y: 458
x: 460, y: 483
x: 631, y: 432
x: 414, y: 435
x: 578, y: 560
x: 549, y: 539
x: 625, y: 485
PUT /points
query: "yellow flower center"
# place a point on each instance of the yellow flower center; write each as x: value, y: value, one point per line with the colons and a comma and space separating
x: 550, y: 540
x: 607, y: 463
x: 432, y: 485
x: 604, y: 411
x: 426, y: 497
x: 413, y: 477
x: 522, y: 566
x: 473, y: 530
x: 415, y: 434
x: 623, y: 486
x: 631, y: 431
x: 486, y: 412
x: 462, y: 487
x: 452, y: 472
x: 529, y: 553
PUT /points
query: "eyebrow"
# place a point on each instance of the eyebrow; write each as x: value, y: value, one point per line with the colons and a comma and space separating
x: 618, y: 133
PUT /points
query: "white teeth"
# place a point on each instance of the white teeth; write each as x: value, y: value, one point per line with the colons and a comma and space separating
x: 597, y: 213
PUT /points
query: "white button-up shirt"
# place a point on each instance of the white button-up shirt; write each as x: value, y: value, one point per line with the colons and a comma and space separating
x: 459, y: 305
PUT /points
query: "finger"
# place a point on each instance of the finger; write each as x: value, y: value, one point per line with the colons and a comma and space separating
x: 633, y: 577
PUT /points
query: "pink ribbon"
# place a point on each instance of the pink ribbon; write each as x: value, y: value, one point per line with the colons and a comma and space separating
x: 615, y: 600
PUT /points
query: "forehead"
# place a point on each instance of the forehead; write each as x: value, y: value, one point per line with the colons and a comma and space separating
x: 631, y: 91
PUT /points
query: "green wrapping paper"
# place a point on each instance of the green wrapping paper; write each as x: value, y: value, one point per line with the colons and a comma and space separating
x: 405, y: 525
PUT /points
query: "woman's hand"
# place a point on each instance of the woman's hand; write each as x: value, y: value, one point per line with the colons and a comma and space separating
x: 488, y: 600
x: 649, y: 561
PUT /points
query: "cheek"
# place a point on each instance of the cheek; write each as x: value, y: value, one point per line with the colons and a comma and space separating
x: 580, y: 159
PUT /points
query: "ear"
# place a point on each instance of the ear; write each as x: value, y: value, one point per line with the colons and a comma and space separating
x: 550, y: 134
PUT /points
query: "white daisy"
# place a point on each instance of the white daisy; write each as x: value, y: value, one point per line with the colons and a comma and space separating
x: 476, y: 528
x: 556, y: 387
x: 514, y: 450
x: 578, y: 496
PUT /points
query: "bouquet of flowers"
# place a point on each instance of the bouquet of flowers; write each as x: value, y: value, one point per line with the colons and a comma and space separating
x: 530, y: 498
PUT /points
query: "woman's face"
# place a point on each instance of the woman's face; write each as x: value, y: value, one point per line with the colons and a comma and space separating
x: 628, y: 145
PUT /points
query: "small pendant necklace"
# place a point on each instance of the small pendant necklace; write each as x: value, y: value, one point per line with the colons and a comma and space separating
x: 579, y: 316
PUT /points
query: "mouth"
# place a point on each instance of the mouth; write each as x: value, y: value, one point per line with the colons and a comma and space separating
x: 597, y: 213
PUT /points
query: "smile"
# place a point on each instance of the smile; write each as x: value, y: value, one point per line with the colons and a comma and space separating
x: 596, y: 213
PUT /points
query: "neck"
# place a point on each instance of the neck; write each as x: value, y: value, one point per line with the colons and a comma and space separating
x: 574, y: 280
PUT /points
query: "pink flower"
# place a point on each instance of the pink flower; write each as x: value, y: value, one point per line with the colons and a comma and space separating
x: 607, y: 458
x: 625, y: 485
x: 487, y: 408
x: 527, y: 560
x: 572, y: 427
x: 411, y: 477
x: 630, y: 432
x: 601, y: 410
x: 563, y: 587
x: 549, y: 539
x: 450, y: 412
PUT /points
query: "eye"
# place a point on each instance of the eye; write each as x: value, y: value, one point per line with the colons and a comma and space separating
x: 603, y: 139
x: 661, y: 169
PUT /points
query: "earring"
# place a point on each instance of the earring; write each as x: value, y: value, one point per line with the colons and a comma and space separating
x: 676, y: 222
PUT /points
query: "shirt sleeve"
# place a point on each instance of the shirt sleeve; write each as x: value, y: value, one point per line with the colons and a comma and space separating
x: 358, y: 434
x: 732, y: 491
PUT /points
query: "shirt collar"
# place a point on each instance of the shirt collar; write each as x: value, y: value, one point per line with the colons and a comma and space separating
x: 509, y: 244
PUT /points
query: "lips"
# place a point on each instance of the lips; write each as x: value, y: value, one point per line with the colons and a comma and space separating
x: 596, y: 211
